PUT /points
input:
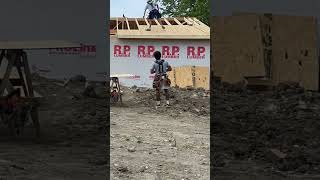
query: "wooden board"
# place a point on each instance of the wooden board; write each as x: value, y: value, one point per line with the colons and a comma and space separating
x: 37, y: 44
x: 202, y: 77
x: 190, y: 76
x: 295, y: 50
x: 236, y: 47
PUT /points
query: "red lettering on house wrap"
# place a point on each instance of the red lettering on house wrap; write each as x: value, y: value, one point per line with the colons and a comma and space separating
x: 170, y: 52
x: 145, y: 51
x: 121, y: 51
x: 196, y: 52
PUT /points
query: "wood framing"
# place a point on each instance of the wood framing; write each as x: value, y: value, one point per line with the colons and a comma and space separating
x: 175, y: 28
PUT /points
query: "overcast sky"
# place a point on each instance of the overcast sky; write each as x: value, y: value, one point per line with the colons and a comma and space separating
x: 130, y: 8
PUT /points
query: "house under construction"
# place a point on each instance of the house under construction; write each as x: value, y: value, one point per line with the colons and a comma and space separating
x: 184, y: 43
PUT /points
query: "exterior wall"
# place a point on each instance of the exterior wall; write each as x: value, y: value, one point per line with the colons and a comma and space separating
x: 73, y: 20
x: 127, y: 57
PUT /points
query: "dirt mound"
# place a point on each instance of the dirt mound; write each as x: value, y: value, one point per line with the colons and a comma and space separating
x: 182, y: 100
x: 279, y: 128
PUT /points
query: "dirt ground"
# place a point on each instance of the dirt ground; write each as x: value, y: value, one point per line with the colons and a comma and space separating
x: 165, y: 143
x: 72, y: 144
x: 265, y: 134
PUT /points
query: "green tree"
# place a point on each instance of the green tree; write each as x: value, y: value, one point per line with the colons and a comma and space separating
x: 186, y: 8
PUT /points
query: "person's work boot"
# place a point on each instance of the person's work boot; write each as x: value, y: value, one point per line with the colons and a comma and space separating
x: 163, y: 27
x: 168, y: 103
x: 148, y: 29
x: 158, y: 103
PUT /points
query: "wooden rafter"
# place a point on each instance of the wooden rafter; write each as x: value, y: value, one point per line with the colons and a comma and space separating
x: 176, y: 20
x: 165, y: 19
x: 128, y: 26
x: 179, y: 28
x: 187, y: 21
x: 117, y: 21
x: 146, y: 22
x: 157, y: 22
x: 137, y: 22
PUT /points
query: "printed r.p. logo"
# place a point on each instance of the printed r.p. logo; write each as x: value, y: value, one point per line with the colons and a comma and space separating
x: 196, y: 52
x: 121, y: 51
x: 170, y: 52
x: 145, y: 51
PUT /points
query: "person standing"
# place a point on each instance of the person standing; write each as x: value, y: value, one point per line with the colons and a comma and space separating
x: 154, y: 13
x: 161, y: 81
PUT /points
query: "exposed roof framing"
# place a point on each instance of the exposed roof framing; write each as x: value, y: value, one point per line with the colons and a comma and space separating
x: 175, y: 28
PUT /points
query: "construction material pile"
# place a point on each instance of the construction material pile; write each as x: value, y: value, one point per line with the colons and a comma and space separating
x: 277, y: 128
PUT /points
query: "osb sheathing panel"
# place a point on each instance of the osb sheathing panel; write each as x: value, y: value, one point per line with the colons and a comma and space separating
x: 171, y: 76
x: 183, y: 77
x: 294, y: 50
x: 237, y: 48
x: 202, y: 77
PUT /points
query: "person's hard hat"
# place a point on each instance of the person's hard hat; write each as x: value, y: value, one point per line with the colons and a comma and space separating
x: 149, y: 1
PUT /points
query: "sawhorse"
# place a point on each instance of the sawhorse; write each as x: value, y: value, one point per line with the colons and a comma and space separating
x: 18, y: 58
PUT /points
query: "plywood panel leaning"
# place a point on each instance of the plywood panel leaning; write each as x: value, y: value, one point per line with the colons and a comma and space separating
x: 190, y: 76
x: 237, y: 48
x: 295, y: 50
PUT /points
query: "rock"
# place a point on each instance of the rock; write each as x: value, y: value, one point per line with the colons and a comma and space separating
x: 143, y: 168
x: 276, y: 155
x: 123, y: 169
x: 132, y: 149
x: 196, y: 110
